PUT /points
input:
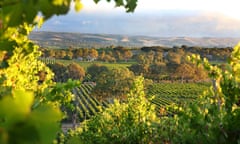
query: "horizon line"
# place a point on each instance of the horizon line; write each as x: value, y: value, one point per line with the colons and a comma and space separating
x: 135, y: 35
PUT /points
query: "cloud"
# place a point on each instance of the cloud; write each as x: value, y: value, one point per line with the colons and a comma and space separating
x: 229, y: 8
x: 163, y: 23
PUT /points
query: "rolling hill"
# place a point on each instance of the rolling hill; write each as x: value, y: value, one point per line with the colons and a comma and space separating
x: 80, y: 40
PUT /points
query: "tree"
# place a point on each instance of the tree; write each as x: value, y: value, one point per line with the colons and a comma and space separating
x: 150, y: 57
x: 158, y: 58
x: 174, y: 58
x: 102, y: 56
x: 114, y: 83
x: 141, y: 59
x: 75, y: 71
x: 78, y: 53
x: 60, y: 72
x: 146, y: 58
x: 69, y: 54
x: 157, y: 71
x: 184, y: 71
x: 85, y: 53
x: 119, y: 55
x: 200, y: 74
x: 93, y: 54
x: 127, y: 55
x: 50, y: 53
x: 109, y: 57
x: 139, y: 69
x: 60, y: 54
x: 95, y: 70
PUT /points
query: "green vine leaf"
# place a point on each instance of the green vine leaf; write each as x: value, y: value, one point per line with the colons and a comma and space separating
x: 14, y: 109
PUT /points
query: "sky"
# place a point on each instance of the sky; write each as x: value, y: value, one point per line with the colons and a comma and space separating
x: 162, y: 18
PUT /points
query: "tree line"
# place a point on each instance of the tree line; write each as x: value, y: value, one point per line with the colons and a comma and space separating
x: 120, y: 53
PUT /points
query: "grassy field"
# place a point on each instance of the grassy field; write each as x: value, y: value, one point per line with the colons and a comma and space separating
x: 86, y: 64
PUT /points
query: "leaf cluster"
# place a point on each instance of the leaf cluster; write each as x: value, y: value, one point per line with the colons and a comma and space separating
x: 129, y: 5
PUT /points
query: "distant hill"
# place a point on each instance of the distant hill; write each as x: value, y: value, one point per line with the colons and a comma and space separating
x: 65, y: 40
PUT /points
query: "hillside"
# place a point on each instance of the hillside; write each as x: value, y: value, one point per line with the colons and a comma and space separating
x: 64, y: 40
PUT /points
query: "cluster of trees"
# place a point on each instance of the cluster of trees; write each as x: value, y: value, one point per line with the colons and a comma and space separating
x: 115, y: 54
x: 213, y: 54
x: 81, y: 54
x: 62, y: 72
x: 167, y: 65
x: 85, y: 54
x: 110, y: 83
x: 156, y: 63
x: 119, y: 53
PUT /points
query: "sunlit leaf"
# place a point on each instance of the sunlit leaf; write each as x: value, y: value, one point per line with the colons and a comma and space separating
x: 58, y: 2
x: 16, y: 108
x: 78, y: 5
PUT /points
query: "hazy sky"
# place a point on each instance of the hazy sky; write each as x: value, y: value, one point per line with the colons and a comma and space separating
x: 194, y: 18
